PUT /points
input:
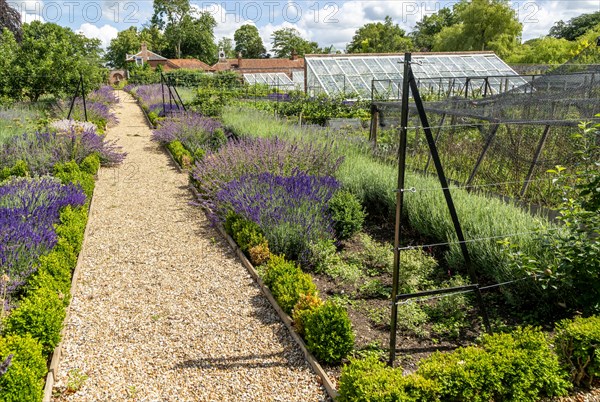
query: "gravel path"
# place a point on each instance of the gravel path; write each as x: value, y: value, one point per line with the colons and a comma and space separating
x: 163, y: 311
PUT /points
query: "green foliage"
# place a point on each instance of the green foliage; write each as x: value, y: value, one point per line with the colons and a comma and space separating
x: 182, y: 156
x: 129, y: 41
x: 568, y: 261
x: 305, y: 306
x: 143, y: 75
x: 411, y: 318
x: 210, y: 101
x: 248, y: 42
x: 90, y: 164
x: 69, y: 172
x: 481, y: 25
x: 506, y: 367
x: 545, y: 50
x: 286, y: 40
x: 449, y: 314
x: 578, y: 346
x: 40, y: 314
x: 347, y: 214
x: 287, y: 282
x: 24, y: 380
x: 49, y: 60
x: 321, y: 254
x: 19, y: 169
x: 328, y: 333
x: 246, y: 234
x: 575, y: 27
x: 377, y: 37
x: 370, y: 380
x: 425, y: 30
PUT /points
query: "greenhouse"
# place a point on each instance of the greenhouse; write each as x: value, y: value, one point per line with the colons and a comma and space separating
x: 277, y: 80
x: 380, y: 76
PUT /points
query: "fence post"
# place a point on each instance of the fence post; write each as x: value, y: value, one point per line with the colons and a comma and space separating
x: 399, y: 201
x: 83, y: 97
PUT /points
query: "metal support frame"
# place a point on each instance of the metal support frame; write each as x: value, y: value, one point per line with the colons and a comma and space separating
x: 409, y: 83
x: 536, y: 158
x: 81, y: 87
x: 486, y: 147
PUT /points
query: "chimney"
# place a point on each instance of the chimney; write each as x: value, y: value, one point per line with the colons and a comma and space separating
x: 239, y: 59
x: 294, y: 55
x: 144, y: 53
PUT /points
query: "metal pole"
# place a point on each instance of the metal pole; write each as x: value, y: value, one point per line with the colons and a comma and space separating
x: 437, y: 138
x: 83, y: 96
x: 162, y: 88
x: 536, y: 158
x: 484, y: 151
x: 448, y: 196
x: 399, y: 201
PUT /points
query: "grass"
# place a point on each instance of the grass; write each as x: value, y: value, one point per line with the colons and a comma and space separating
x: 19, y: 119
x: 374, y: 183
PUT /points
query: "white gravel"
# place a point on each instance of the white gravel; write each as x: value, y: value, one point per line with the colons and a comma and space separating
x: 163, y: 311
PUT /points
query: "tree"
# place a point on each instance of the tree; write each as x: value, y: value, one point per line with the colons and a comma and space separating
x: 248, y: 42
x: 575, y: 27
x: 50, y: 60
x: 378, y: 37
x: 226, y: 44
x: 286, y: 40
x: 10, y: 19
x: 425, y: 30
x: 8, y: 50
x: 170, y: 15
x: 196, y: 38
x: 126, y: 42
x: 546, y: 50
x: 481, y: 25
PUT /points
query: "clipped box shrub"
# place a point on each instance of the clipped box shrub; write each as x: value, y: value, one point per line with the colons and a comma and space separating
x: 260, y: 253
x: 246, y: 234
x: 370, y: 380
x: 19, y: 169
x: 180, y: 154
x: 287, y: 282
x: 70, y: 172
x: 578, y: 346
x: 347, y: 214
x: 40, y: 314
x: 90, y: 164
x: 328, y: 333
x: 506, y: 367
x: 24, y: 379
x: 305, y: 306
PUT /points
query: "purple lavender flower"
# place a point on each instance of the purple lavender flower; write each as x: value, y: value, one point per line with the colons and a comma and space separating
x: 5, y: 365
x: 255, y: 156
x: 29, y: 209
x: 105, y: 94
x: 292, y: 211
x: 192, y: 129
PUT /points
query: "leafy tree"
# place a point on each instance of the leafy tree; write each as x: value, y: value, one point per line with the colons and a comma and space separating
x: 248, y: 42
x: 424, y: 32
x: 196, y: 38
x: 170, y: 15
x: 126, y: 42
x: 575, y: 27
x: 481, y: 25
x: 10, y: 19
x: 378, y: 37
x: 8, y: 50
x: 50, y: 59
x: 286, y: 40
x: 227, y: 45
x: 546, y: 50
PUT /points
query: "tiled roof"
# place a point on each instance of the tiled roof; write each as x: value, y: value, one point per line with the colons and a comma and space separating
x: 258, y: 64
x: 191, y: 64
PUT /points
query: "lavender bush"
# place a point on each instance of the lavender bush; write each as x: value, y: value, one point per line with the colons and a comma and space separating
x: 148, y: 94
x: 255, y: 156
x: 97, y: 112
x: 192, y: 130
x: 42, y: 150
x: 104, y: 94
x: 29, y: 209
x: 292, y: 211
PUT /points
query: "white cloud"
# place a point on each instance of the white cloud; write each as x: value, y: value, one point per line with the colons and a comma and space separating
x: 105, y: 33
x: 539, y: 17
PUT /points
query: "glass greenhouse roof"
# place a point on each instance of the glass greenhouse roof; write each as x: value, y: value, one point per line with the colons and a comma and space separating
x: 382, y: 74
x: 276, y: 80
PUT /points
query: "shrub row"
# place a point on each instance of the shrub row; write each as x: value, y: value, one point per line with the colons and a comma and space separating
x: 32, y: 329
x: 325, y: 326
x: 520, y: 366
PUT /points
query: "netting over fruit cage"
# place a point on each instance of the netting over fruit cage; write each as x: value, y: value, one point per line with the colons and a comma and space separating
x: 499, y: 132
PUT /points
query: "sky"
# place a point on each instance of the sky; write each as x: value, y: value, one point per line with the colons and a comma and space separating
x: 328, y: 22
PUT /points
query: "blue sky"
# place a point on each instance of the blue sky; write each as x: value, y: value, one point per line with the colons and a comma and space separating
x: 324, y: 21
